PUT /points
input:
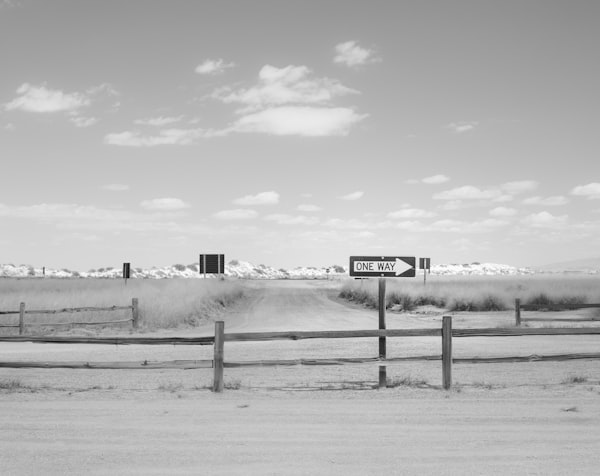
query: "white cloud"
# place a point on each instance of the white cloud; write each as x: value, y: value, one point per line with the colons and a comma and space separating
x: 545, y: 220
x: 81, y: 121
x: 521, y: 186
x: 263, y: 198
x: 281, y: 86
x: 300, y: 120
x: 411, y: 213
x: 164, y: 204
x: 164, y: 137
x: 309, y: 208
x: 435, y: 179
x: 284, y: 219
x: 40, y: 99
x: 353, y: 196
x: 213, y: 67
x: 116, y: 187
x: 591, y: 190
x: 503, y: 212
x: 462, y: 126
x: 237, y: 214
x: 556, y: 200
x: 350, y: 54
x: 158, y: 121
x: 467, y: 192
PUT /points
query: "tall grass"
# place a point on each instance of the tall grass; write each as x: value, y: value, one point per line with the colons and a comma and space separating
x: 477, y: 293
x: 164, y: 303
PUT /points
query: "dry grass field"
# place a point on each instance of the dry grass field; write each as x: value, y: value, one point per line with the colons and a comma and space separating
x: 502, y: 418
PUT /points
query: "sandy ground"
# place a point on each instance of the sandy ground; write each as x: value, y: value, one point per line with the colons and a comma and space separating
x: 525, y: 418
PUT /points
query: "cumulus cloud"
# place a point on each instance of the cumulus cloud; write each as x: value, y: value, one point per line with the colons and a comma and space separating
x: 284, y: 219
x: 435, y: 179
x: 467, y: 192
x: 300, y: 120
x: 81, y: 121
x: 353, y: 196
x: 411, y: 213
x: 263, y: 198
x: 280, y: 86
x: 164, y: 204
x: 236, y: 214
x: 591, y: 190
x: 164, y: 137
x: 290, y: 101
x: 41, y: 99
x: 462, y: 126
x: 545, y: 220
x: 351, y: 54
x: 555, y: 200
x: 213, y: 67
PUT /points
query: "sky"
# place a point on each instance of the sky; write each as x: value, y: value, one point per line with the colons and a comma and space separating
x: 293, y: 133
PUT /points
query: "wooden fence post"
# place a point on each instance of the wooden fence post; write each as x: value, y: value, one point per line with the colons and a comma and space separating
x: 382, y: 340
x: 517, y: 312
x: 218, y: 356
x: 135, y: 313
x: 447, y: 352
x: 21, y: 318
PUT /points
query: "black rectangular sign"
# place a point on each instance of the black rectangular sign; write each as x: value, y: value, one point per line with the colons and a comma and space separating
x: 424, y: 263
x: 382, y: 266
x: 212, y: 264
x: 126, y: 270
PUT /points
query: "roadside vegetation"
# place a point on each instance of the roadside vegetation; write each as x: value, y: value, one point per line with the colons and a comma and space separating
x: 167, y: 303
x: 476, y: 293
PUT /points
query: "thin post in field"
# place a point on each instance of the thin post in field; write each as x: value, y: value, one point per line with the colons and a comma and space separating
x: 21, y: 318
x: 218, y: 356
x: 382, y: 340
x: 447, y: 352
x: 135, y: 313
x: 517, y: 312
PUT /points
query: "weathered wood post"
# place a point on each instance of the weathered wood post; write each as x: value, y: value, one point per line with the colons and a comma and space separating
x: 382, y: 340
x: 517, y: 312
x: 218, y: 356
x: 447, y: 352
x: 21, y: 318
x: 135, y: 313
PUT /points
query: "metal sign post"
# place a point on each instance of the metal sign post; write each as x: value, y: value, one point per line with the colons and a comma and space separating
x: 382, y: 267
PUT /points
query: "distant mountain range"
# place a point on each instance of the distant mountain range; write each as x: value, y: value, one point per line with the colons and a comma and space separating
x: 245, y: 270
x: 588, y: 265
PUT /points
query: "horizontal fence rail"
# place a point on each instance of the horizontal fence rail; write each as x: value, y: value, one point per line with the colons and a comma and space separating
x: 218, y: 363
x: 134, y: 319
x: 554, y: 307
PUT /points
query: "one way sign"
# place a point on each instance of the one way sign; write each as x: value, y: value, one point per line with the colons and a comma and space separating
x: 382, y: 266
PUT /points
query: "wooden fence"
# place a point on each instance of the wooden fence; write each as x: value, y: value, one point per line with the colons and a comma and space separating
x: 134, y: 319
x: 218, y: 363
x: 554, y: 307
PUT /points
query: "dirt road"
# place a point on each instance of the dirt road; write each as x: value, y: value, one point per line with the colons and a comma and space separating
x: 530, y: 418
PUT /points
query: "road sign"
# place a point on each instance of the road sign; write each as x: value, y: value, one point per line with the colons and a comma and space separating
x: 424, y: 263
x: 212, y: 264
x: 382, y: 266
x: 126, y: 270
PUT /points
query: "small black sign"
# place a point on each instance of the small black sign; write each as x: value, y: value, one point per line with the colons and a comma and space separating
x: 212, y: 264
x: 126, y: 270
x: 424, y: 263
